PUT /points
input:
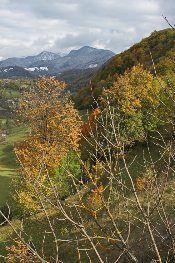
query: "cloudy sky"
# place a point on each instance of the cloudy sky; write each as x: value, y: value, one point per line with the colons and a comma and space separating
x: 28, y: 27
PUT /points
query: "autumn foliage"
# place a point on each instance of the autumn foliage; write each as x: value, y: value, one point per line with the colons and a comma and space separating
x: 87, y: 126
x: 55, y: 130
x: 20, y: 252
x: 118, y: 203
x: 135, y: 99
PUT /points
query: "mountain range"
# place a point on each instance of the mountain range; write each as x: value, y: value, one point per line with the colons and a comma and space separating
x: 49, y: 63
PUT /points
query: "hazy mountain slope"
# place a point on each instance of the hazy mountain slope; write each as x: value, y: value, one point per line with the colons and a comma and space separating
x: 14, y: 71
x: 52, y: 63
x: 78, y: 78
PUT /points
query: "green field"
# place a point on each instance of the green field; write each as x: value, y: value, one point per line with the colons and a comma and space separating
x: 8, y: 164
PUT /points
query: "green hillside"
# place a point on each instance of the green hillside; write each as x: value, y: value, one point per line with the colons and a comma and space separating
x: 161, y: 44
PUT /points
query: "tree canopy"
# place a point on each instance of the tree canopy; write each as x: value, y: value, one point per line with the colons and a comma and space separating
x: 135, y: 98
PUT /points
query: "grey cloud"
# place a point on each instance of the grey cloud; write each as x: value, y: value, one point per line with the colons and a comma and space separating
x: 29, y: 27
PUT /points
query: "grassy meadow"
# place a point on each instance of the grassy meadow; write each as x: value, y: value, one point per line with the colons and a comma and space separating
x: 8, y: 164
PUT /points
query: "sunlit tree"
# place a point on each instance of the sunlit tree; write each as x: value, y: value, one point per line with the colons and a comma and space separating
x: 55, y: 128
x: 135, y: 99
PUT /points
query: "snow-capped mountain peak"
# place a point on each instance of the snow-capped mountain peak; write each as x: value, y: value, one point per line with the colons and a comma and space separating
x: 45, y: 55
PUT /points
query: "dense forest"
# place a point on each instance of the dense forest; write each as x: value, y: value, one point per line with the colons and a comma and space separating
x: 92, y: 185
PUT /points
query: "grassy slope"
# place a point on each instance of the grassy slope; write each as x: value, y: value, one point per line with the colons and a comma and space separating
x: 8, y: 163
x: 35, y: 227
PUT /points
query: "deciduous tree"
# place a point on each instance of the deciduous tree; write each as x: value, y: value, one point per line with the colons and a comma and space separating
x: 135, y: 99
x: 55, y: 127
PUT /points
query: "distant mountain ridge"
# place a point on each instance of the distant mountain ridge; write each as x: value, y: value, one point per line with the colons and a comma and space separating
x: 49, y: 63
x: 27, y: 61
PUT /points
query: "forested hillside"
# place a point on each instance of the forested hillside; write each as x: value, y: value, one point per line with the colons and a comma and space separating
x: 160, y: 45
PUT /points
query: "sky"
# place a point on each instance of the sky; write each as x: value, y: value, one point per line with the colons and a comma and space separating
x: 28, y: 27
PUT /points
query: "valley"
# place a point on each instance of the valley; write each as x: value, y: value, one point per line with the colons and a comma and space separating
x: 92, y: 174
